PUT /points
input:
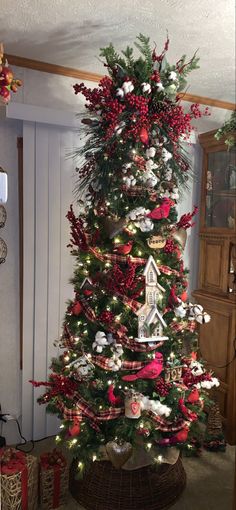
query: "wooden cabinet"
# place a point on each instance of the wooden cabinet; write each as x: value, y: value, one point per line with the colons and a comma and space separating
x: 217, y: 272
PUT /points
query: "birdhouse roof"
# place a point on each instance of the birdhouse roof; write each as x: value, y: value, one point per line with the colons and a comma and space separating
x: 155, y: 312
x: 151, y: 264
x: 86, y: 284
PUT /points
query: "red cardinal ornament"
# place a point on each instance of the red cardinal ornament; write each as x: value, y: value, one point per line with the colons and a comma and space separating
x: 114, y: 401
x: 76, y: 308
x: 180, y: 437
x: 143, y: 135
x: 123, y: 249
x: 162, y: 211
x: 193, y: 396
x: 150, y: 371
x: 74, y: 430
x: 184, y: 296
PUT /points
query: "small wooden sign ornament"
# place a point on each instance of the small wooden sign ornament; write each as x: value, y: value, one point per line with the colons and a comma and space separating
x: 156, y: 242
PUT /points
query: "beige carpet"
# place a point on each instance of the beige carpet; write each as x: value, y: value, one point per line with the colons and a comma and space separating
x: 210, y: 480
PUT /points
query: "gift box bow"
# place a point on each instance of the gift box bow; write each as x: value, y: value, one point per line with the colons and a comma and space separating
x: 13, y: 461
x: 53, y: 459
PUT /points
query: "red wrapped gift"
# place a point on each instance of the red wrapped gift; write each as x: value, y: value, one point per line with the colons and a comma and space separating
x: 18, y: 473
x: 54, y: 479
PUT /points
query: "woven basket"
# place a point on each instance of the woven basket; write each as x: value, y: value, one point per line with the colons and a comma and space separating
x: 11, y: 490
x: 107, y: 488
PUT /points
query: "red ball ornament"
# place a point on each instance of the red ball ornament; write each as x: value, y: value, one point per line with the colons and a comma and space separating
x: 143, y: 135
x: 76, y: 308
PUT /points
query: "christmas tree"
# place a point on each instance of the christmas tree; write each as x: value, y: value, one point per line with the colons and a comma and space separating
x: 129, y: 375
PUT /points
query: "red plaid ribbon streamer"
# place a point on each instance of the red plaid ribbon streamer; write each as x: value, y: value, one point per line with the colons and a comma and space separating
x: 165, y: 425
x: 103, y: 362
x: 70, y: 414
x: 132, y: 303
x: 112, y: 257
x: 168, y: 271
x: 88, y: 311
x: 183, y: 325
x: 83, y: 409
x: 110, y: 414
x: 68, y: 339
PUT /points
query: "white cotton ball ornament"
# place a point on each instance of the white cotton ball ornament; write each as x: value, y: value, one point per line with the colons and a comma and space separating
x: 127, y: 87
x: 172, y: 76
x: 146, y: 87
x: 180, y: 311
x: 150, y: 153
x: 120, y: 93
x: 159, y: 86
x: 145, y: 225
x: 166, y: 155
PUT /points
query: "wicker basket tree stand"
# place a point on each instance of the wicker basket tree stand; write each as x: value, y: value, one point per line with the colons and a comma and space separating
x: 107, y: 488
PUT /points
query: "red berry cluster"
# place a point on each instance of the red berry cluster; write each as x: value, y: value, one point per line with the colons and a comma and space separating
x: 162, y: 387
x: 106, y: 317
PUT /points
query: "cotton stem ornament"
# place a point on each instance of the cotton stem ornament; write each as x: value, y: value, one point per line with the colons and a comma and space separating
x: 100, y: 341
x: 197, y: 313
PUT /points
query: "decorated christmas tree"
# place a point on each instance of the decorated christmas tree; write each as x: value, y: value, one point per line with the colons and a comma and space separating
x: 128, y: 376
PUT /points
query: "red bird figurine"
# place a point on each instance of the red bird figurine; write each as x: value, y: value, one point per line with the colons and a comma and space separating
x: 179, y: 437
x: 114, y: 401
x: 162, y: 211
x: 151, y: 371
x: 123, y: 249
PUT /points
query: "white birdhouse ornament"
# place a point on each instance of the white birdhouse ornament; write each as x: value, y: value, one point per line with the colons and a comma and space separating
x: 150, y: 320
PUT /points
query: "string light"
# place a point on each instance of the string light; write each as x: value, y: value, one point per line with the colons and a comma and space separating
x: 114, y: 298
x: 94, y: 457
x: 149, y: 445
x: 74, y: 441
x: 80, y: 465
x: 160, y: 459
x: 57, y: 439
x: 62, y: 426
x: 140, y: 252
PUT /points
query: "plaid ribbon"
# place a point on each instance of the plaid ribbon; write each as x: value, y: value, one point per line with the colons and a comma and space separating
x: 131, y: 303
x: 110, y: 414
x: 183, y: 325
x: 112, y: 257
x: 83, y: 409
x: 165, y: 425
x: 103, y: 362
x: 88, y: 311
x: 168, y: 271
x: 68, y: 339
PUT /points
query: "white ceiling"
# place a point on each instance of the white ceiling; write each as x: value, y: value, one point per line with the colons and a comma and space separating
x: 70, y: 33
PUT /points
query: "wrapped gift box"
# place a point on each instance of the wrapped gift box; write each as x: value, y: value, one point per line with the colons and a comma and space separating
x: 54, y: 480
x: 18, y: 480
